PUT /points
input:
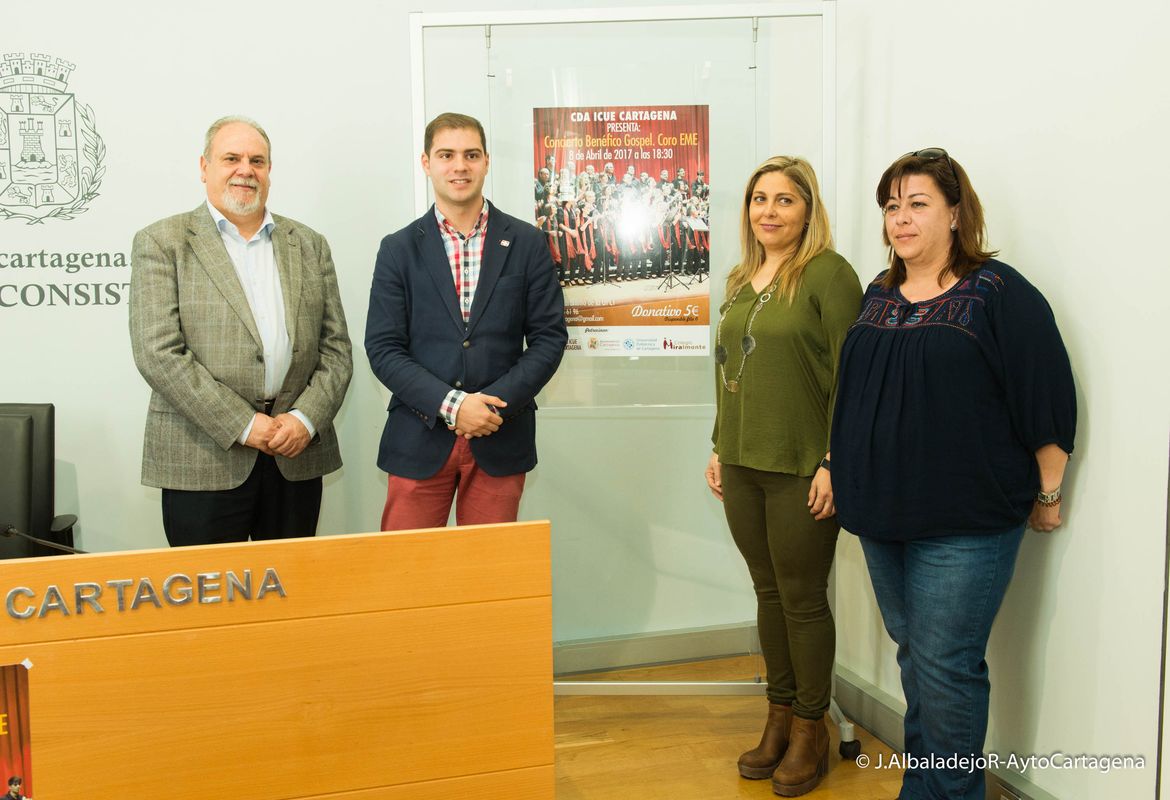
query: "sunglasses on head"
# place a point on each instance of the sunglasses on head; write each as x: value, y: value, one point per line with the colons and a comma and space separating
x: 934, y: 154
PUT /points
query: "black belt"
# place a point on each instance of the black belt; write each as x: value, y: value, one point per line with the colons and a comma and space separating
x: 268, y: 406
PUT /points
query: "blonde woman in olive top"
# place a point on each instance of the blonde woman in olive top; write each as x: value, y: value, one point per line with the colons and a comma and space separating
x: 789, y: 304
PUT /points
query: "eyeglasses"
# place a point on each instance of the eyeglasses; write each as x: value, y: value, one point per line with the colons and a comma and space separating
x: 934, y: 154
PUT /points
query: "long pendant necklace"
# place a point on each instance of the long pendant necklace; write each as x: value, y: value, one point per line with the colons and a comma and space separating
x: 747, y: 344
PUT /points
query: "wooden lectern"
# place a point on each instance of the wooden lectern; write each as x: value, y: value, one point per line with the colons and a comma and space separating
x: 387, y: 666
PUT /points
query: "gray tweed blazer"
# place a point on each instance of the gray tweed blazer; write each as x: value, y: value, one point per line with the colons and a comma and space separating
x: 196, y: 343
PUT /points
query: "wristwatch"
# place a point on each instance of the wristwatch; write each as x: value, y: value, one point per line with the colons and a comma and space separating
x: 1049, y: 499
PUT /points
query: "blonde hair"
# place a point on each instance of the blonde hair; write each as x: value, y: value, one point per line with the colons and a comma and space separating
x: 815, y: 239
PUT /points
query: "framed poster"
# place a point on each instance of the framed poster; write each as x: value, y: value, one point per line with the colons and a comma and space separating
x: 622, y: 194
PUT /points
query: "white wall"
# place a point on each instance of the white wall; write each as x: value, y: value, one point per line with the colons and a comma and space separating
x: 155, y: 75
x: 1056, y: 112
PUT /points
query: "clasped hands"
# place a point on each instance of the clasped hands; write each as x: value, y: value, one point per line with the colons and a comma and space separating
x: 478, y: 415
x: 282, y: 435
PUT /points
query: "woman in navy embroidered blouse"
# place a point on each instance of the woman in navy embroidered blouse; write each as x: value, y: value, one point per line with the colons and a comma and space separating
x: 955, y: 416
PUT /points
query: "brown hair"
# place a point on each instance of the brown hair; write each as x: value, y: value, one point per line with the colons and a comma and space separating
x: 452, y: 121
x: 968, y: 242
x: 816, y: 238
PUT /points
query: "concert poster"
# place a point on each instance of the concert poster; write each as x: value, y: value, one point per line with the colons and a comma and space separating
x: 621, y: 194
x: 15, y: 732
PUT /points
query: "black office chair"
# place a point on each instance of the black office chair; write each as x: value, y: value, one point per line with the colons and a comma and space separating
x: 26, y: 481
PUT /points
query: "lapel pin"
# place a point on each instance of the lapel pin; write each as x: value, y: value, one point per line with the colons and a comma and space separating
x: 504, y: 243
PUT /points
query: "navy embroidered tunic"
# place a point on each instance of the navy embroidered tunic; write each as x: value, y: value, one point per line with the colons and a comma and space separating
x: 942, y: 405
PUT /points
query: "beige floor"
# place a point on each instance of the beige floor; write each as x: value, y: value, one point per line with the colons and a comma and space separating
x: 684, y: 747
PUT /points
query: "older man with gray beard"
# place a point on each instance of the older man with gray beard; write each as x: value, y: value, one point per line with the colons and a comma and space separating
x: 236, y: 324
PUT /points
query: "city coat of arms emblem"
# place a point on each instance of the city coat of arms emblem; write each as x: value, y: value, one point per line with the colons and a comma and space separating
x: 50, y: 152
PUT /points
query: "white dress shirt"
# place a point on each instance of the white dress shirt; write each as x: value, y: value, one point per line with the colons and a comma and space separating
x: 255, y: 263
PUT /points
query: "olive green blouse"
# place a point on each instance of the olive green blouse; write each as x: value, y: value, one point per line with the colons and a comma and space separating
x: 779, y: 418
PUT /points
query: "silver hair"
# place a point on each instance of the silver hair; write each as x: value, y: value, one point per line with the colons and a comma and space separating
x: 222, y: 121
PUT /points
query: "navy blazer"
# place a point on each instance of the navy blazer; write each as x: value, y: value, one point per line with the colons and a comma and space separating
x: 420, y: 347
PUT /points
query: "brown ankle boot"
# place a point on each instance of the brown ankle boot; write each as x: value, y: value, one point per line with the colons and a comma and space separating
x: 807, y: 758
x: 762, y: 761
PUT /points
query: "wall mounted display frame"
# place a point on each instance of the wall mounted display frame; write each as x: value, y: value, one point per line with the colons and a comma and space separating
x: 635, y: 573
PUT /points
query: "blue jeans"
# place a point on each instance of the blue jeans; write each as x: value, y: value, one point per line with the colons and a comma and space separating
x: 938, y: 599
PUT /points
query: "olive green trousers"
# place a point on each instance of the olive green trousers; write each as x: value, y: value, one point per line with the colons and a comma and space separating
x: 788, y: 554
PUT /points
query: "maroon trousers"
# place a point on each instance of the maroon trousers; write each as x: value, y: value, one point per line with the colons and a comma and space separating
x: 480, y: 499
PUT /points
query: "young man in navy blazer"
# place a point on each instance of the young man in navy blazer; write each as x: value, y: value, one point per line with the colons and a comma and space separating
x: 466, y: 325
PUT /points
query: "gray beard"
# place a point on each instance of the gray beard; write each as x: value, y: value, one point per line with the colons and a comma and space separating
x: 241, y: 208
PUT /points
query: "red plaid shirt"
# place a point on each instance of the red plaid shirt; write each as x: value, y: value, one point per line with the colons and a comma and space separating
x: 465, y: 254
